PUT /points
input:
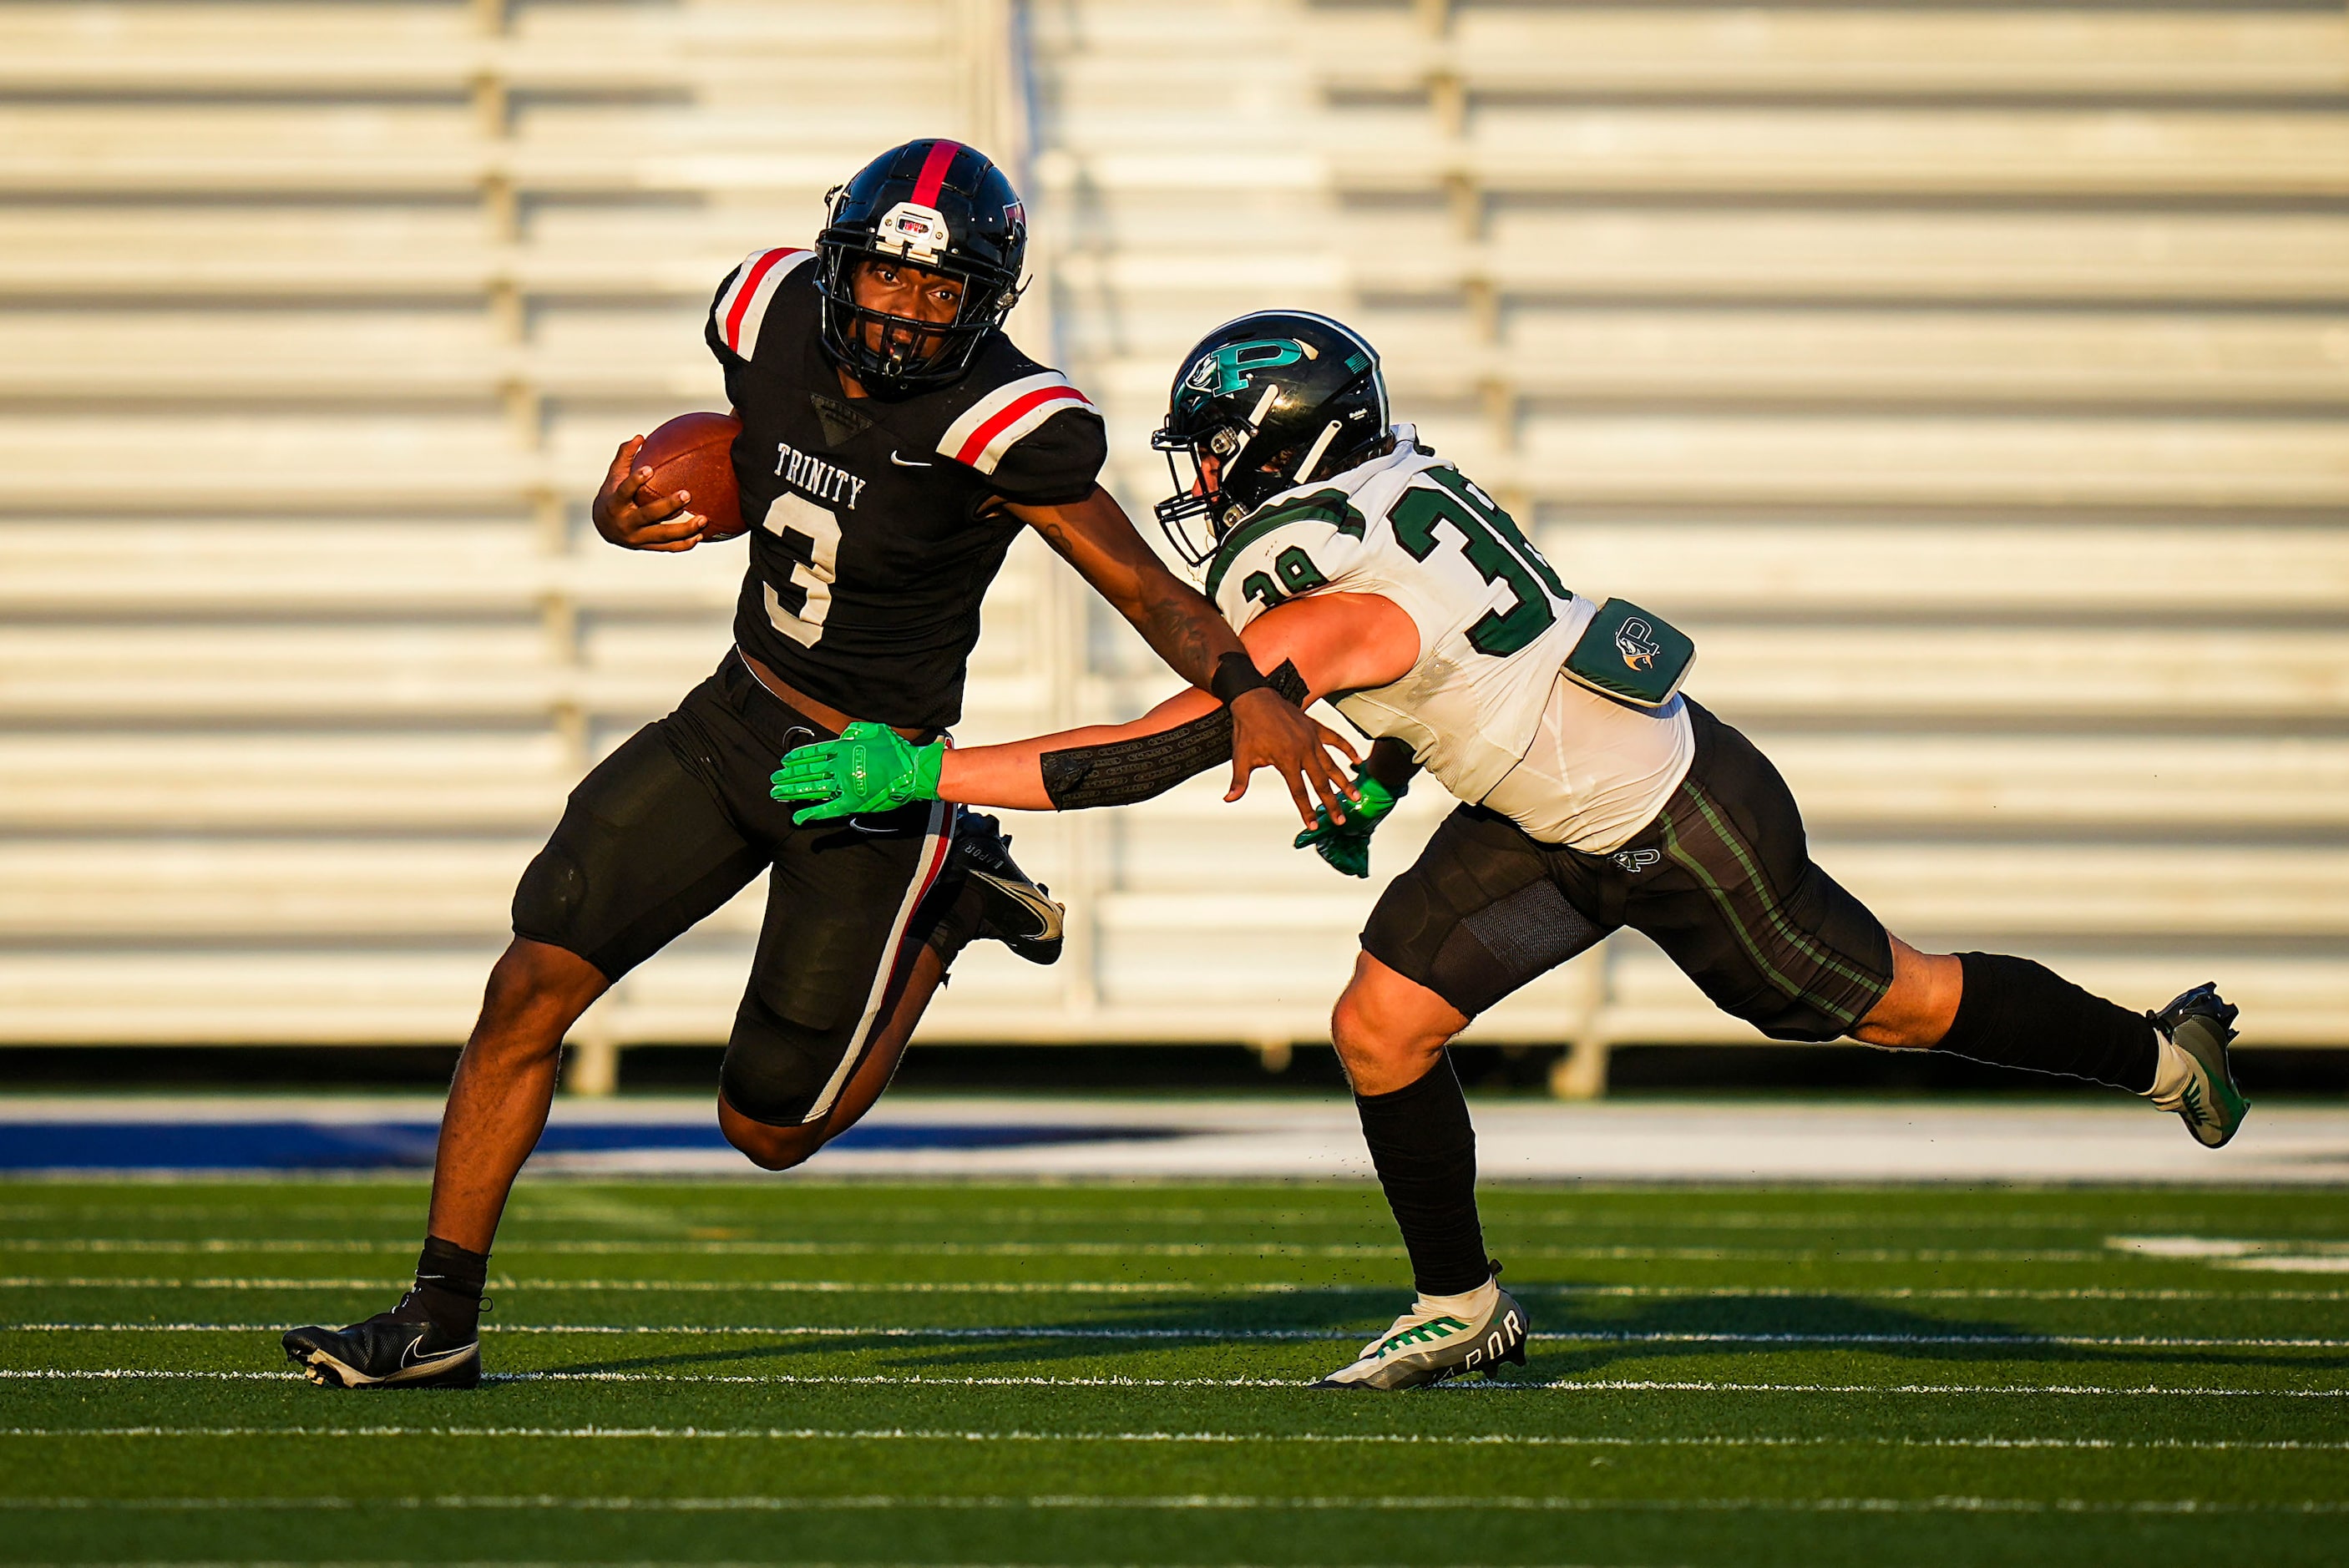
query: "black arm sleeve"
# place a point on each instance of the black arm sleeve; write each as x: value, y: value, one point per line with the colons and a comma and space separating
x: 1124, y: 771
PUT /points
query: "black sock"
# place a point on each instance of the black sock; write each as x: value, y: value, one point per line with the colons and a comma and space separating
x: 2016, y: 1014
x: 1425, y: 1151
x: 448, y: 1283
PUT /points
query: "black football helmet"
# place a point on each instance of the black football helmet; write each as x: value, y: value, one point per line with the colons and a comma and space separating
x: 1274, y: 400
x: 940, y: 206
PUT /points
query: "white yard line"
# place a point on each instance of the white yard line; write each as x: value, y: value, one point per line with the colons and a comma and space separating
x: 1564, y: 1385
x: 1203, y: 1501
x: 1170, y: 1287
x: 2222, y: 1246
x: 1015, y: 1332
x: 1080, y: 1250
x: 1570, y: 1213
x: 1378, y: 1440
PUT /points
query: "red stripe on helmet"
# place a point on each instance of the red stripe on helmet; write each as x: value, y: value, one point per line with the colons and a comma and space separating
x: 934, y: 172
x: 984, y: 437
x: 750, y: 281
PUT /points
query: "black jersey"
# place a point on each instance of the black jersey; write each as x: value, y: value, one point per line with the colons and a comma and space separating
x: 870, y: 548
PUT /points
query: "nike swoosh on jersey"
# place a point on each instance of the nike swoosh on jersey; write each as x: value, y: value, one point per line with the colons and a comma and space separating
x: 908, y: 463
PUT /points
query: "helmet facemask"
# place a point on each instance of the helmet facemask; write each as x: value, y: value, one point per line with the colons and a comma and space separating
x: 1201, y: 495
x: 894, y: 355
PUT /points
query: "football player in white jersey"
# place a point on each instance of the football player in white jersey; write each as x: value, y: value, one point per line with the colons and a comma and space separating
x: 1360, y: 567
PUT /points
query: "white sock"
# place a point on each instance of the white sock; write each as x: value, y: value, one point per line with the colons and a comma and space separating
x: 2173, y: 1070
x: 1469, y: 1306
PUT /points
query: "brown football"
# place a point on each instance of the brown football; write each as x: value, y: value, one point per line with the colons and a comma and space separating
x: 694, y: 452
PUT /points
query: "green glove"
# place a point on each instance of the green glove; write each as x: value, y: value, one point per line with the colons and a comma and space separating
x: 870, y: 767
x: 1347, y: 845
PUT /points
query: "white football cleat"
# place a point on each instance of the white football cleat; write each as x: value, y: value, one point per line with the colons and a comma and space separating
x: 1441, y: 1337
x: 2198, y: 1028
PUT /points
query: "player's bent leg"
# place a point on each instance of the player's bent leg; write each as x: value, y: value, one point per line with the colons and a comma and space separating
x: 778, y: 1148
x: 845, y: 950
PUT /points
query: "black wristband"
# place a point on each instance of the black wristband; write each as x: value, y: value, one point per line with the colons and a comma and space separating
x: 1236, y: 674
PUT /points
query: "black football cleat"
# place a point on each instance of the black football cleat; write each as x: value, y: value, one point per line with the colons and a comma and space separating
x: 386, y: 1351
x: 1014, y: 909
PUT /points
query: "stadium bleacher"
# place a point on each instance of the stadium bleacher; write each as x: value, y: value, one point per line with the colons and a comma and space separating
x: 1970, y: 380
x: 334, y: 314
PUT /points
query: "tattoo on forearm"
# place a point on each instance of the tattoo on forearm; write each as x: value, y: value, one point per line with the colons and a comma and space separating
x: 1183, y: 629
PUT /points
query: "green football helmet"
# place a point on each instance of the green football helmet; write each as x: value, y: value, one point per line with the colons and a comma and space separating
x: 1274, y: 400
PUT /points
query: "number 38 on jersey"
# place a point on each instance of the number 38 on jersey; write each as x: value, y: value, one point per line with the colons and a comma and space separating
x: 1418, y: 532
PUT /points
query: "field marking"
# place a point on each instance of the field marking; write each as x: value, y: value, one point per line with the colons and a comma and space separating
x: 1502, y: 1201
x: 546, y: 1209
x: 1234, y: 1335
x: 2276, y: 1262
x: 2222, y: 1246
x: 216, y: 1245
x: 1177, y: 1287
x: 1377, y: 1440
x: 1203, y: 1501
x: 910, y: 1380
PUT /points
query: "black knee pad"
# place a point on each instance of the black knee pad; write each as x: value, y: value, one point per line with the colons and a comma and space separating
x: 551, y: 901
x: 776, y: 1067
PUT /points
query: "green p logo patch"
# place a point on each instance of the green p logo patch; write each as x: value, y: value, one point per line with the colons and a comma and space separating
x: 1631, y: 655
x: 1227, y: 369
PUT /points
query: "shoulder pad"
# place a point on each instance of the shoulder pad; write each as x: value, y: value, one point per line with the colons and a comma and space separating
x: 740, y: 307
x: 995, y: 424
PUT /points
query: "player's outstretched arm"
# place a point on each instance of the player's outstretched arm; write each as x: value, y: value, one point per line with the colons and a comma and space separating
x: 1096, y: 537
x: 1331, y: 642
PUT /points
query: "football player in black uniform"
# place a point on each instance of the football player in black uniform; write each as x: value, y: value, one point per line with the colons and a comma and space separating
x: 894, y: 444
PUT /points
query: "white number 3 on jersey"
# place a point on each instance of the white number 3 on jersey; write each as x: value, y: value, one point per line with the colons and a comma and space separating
x: 811, y: 535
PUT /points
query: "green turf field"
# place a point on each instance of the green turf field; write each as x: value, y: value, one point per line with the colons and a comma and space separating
x: 1041, y: 1374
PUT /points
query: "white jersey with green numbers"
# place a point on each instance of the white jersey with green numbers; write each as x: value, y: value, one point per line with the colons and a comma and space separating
x: 1495, y: 627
